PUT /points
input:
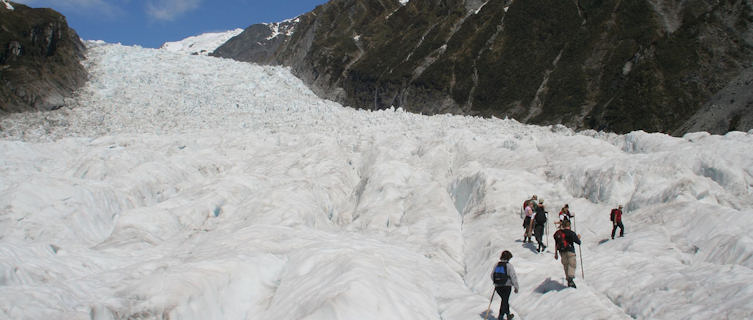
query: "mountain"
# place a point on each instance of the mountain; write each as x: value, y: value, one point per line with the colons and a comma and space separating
x: 654, y: 65
x: 39, y: 59
x: 258, y: 43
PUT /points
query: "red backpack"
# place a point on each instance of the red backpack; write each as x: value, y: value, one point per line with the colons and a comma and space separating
x: 615, y: 215
x: 560, y: 241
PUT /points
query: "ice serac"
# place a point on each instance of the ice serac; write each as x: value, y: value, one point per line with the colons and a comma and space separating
x: 39, y: 59
x: 653, y: 65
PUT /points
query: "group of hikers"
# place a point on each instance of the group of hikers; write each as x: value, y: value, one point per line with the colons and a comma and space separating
x: 565, y: 238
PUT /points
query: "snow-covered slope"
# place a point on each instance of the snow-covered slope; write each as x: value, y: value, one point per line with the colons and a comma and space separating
x: 189, y: 187
x: 203, y: 44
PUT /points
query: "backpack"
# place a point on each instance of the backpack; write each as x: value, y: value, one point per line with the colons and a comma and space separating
x: 540, y: 216
x: 611, y: 215
x: 500, y: 274
x: 560, y: 240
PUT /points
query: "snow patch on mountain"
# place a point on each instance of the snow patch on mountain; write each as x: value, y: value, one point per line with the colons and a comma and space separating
x: 203, y: 44
x: 285, y: 27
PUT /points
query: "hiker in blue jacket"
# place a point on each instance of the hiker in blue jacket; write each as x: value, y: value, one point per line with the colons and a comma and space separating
x: 505, y: 286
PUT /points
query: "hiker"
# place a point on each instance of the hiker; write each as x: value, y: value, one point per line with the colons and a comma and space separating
x: 564, y: 215
x: 504, y: 279
x: 563, y: 241
x: 533, y: 201
x: 539, y: 222
x: 616, y: 217
x: 523, y: 209
x: 527, y: 222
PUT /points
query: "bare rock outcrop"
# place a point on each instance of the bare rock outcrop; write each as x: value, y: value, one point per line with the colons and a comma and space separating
x: 39, y: 59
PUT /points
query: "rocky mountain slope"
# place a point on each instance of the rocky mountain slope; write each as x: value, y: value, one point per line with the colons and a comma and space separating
x: 657, y: 65
x: 39, y: 59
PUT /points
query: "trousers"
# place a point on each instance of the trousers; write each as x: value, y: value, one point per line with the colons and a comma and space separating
x: 618, y: 225
x: 504, y: 293
x: 569, y: 263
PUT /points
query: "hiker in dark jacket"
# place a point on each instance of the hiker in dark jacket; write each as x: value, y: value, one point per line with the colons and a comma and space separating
x: 504, y: 289
x: 539, y: 222
x: 564, y: 240
x: 616, y: 217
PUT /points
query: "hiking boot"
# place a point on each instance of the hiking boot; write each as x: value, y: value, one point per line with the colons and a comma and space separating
x: 571, y: 284
x: 510, y: 316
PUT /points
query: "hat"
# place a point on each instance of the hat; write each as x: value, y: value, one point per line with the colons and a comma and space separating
x: 541, y: 201
x: 620, y: 206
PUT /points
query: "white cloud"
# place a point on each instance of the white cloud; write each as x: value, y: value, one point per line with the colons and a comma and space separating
x: 169, y: 9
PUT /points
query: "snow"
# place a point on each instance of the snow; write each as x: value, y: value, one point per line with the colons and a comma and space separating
x: 190, y: 187
x: 285, y: 27
x: 203, y: 44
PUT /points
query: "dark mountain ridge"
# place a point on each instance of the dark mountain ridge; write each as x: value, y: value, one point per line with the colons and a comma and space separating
x: 40, y: 59
x: 656, y: 65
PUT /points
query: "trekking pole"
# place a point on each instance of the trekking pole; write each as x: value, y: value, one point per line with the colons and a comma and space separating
x: 580, y: 253
x: 489, y: 308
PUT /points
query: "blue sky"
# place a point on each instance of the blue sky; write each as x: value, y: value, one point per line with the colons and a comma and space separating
x: 150, y: 23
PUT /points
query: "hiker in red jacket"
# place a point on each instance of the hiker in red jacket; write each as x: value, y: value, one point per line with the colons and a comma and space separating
x: 616, y: 217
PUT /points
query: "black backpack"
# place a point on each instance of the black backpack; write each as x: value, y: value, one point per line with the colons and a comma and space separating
x: 500, y: 274
x: 540, y: 216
